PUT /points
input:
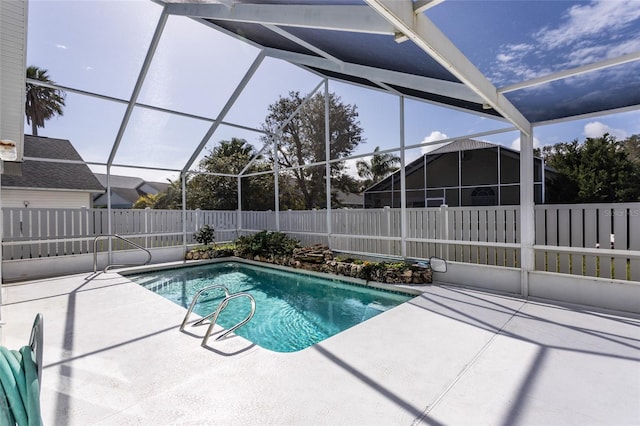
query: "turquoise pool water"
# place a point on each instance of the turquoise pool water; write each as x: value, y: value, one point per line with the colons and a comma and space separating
x: 293, y: 311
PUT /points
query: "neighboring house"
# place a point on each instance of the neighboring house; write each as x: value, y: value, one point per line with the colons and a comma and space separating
x: 125, y: 190
x: 40, y: 184
x: 465, y: 172
x: 350, y: 200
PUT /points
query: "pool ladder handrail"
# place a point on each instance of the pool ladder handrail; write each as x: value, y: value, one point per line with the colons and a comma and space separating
x: 213, y: 317
x: 106, y: 268
x: 195, y: 300
x: 223, y: 305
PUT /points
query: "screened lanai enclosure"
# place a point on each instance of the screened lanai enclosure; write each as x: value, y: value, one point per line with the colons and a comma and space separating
x: 157, y: 96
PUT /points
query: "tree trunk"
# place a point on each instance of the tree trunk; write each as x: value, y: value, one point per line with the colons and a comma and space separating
x: 34, y: 128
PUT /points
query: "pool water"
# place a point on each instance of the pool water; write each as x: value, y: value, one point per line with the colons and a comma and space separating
x: 293, y: 311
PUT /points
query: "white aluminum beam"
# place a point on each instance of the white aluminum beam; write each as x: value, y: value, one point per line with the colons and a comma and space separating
x: 588, y: 115
x: 239, y: 209
x: 137, y: 104
x: 234, y: 96
x: 276, y: 183
x: 403, y: 184
x: 420, y: 6
x: 286, y: 56
x: 136, y: 90
x: 426, y: 35
x: 302, y: 43
x: 327, y: 158
x: 351, y: 18
x: 527, y: 210
x: 631, y: 57
x: 183, y: 183
x: 425, y: 84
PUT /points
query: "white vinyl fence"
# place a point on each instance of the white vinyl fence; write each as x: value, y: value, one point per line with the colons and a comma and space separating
x: 34, y: 233
x: 597, y: 240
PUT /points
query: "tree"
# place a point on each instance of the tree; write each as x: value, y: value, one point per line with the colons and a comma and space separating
x: 381, y: 166
x: 148, y: 200
x: 211, y: 192
x: 598, y: 170
x: 171, y: 198
x: 632, y: 146
x: 42, y: 103
x: 302, y: 141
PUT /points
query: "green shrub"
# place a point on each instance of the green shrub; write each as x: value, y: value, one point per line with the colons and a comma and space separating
x: 266, y: 243
x: 205, y: 235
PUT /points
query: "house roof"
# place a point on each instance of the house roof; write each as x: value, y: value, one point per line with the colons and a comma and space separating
x: 350, y: 199
x: 129, y: 188
x: 47, y: 175
x: 455, y: 146
x: 127, y: 182
x: 130, y: 182
x: 462, y: 145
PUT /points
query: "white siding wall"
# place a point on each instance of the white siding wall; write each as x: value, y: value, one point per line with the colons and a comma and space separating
x: 45, y: 199
x: 13, y: 24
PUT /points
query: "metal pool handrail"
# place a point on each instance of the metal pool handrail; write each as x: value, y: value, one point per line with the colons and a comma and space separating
x: 195, y: 300
x: 223, y: 305
x: 95, y: 252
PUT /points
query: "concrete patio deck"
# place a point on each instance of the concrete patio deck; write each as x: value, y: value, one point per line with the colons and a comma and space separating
x: 113, y: 355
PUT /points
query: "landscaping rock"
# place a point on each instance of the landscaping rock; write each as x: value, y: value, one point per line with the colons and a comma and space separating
x: 320, y: 258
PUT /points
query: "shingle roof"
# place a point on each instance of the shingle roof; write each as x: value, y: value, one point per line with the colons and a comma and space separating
x: 126, y: 182
x: 128, y: 188
x: 462, y: 145
x: 39, y: 174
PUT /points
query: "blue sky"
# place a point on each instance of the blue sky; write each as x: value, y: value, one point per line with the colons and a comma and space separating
x: 99, y: 46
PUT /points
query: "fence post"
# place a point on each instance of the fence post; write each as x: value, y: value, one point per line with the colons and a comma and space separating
x: 444, y: 230
x: 387, y: 212
x: 315, y: 219
x: 146, y: 226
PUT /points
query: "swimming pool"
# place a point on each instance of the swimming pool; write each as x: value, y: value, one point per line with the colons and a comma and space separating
x: 293, y: 310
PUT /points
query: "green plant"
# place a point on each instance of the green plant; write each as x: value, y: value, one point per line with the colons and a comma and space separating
x: 266, y: 243
x: 205, y: 235
x: 401, y: 266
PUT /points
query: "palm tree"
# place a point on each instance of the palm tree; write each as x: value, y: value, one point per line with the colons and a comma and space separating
x: 42, y: 103
x: 381, y: 166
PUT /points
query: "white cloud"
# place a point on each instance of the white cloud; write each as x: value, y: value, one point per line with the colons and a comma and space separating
x: 596, y: 129
x: 61, y: 46
x: 436, y: 135
x: 588, y: 32
x: 88, y: 68
x: 516, y: 143
x: 585, y: 20
x: 414, y: 154
x: 351, y: 169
